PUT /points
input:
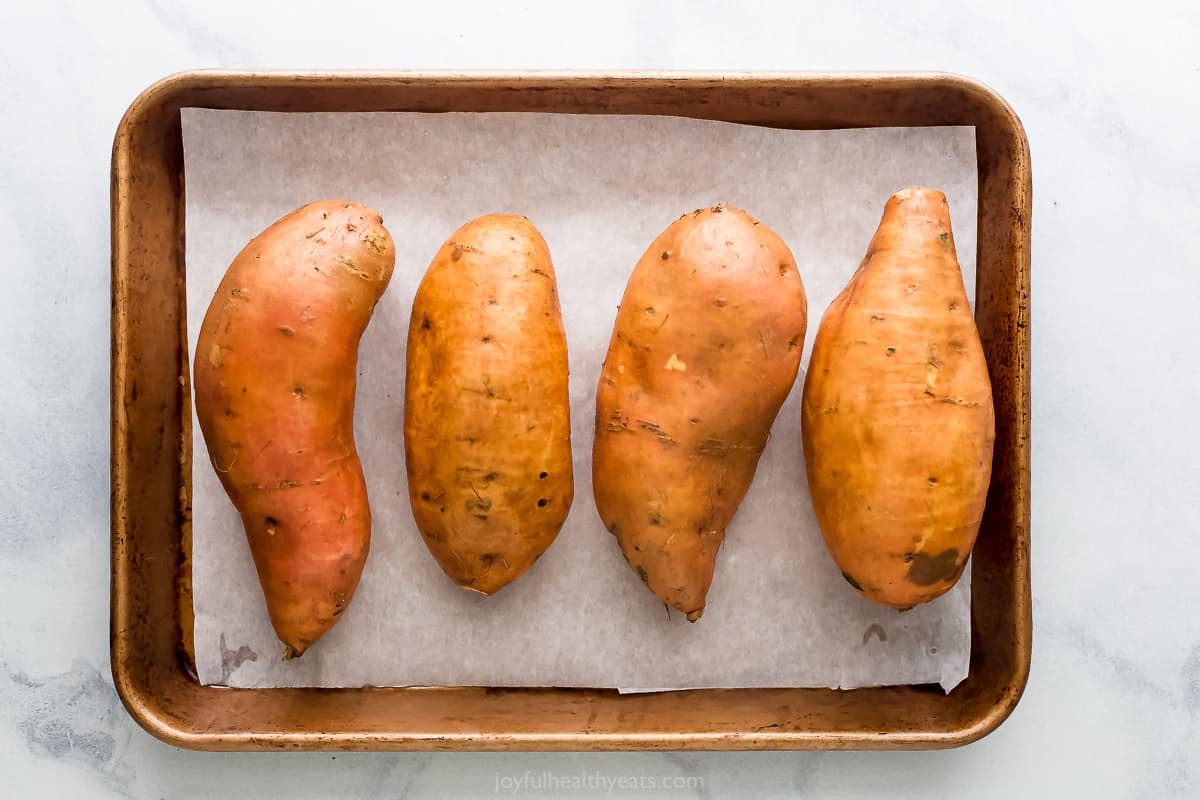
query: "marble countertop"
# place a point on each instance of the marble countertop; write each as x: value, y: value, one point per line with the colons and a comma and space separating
x: 1109, y: 97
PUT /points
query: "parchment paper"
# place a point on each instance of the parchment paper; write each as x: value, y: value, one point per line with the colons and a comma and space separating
x: 599, y: 188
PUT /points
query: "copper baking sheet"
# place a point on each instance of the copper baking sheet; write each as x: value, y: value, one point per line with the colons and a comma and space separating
x: 152, y: 438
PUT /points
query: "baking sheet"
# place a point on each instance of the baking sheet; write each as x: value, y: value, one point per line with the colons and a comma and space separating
x: 599, y: 188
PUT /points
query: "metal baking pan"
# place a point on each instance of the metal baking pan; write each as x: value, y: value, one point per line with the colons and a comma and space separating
x: 152, y: 438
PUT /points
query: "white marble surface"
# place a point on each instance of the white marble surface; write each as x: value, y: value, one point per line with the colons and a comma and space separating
x: 1110, y: 96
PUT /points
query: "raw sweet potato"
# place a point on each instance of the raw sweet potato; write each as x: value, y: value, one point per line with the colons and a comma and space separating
x: 487, y: 429
x: 705, y: 349
x: 274, y: 375
x: 897, y: 413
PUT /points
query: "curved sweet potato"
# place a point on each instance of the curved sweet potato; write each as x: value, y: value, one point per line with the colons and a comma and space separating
x: 487, y: 430
x: 897, y: 414
x: 705, y: 349
x: 274, y: 376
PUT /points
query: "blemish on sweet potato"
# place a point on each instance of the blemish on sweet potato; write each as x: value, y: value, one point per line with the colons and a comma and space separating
x: 353, y: 268
x: 653, y: 428
x: 926, y: 570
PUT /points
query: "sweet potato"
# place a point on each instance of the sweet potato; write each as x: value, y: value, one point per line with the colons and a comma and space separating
x: 274, y: 376
x: 705, y: 349
x: 897, y: 413
x: 487, y: 429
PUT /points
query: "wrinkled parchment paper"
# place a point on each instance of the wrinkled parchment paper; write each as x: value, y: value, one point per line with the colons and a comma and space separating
x: 599, y: 188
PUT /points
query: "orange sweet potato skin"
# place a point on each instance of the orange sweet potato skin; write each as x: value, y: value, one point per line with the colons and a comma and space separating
x: 897, y: 420
x: 487, y: 429
x: 705, y: 349
x: 274, y: 377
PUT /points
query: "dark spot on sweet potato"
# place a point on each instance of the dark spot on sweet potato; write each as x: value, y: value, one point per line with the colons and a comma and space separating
x: 953, y: 306
x: 229, y: 412
x: 617, y: 422
x: 486, y: 339
x: 654, y: 518
x: 477, y: 504
x: 299, y: 392
x: 932, y: 481
x: 878, y: 318
x: 612, y: 528
x: 891, y: 351
x: 720, y: 302
x: 426, y: 324
x: 694, y: 420
x: 286, y: 331
x: 287, y: 484
x: 491, y: 476
x: 543, y: 475
x: 425, y: 496
x: 717, y: 209
x: 784, y: 269
x: 641, y: 573
x: 543, y: 502
x: 926, y: 570
x: 666, y: 254
x: 944, y: 236
x: 649, y: 311
x: 659, y: 433
x: 850, y: 580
